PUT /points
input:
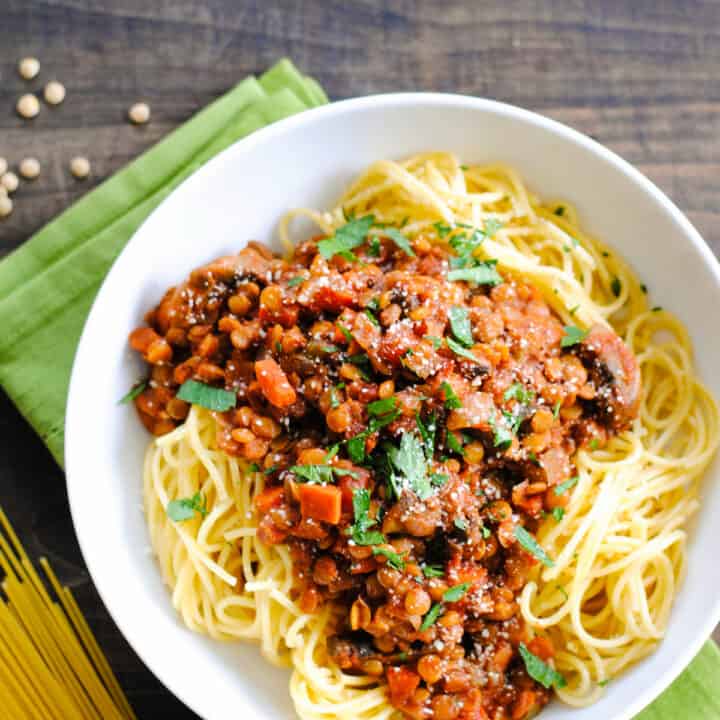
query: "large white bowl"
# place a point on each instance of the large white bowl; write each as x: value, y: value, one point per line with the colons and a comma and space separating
x: 240, y: 195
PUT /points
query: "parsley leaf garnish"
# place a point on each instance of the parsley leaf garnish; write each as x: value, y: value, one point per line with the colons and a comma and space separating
x: 134, y: 391
x: 452, y: 401
x: 483, y: 273
x: 573, y: 335
x: 393, y: 559
x: 409, y: 461
x: 381, y: 407
x: 454, y: 593
x: 400, y: 240
x: 346, y: 333
x: 517, y: 392
x: 460, y: 325
x: 427, y: 433
x: 454, y: 444
x: 532, y: 546
x: 541, y: 671
x: 502, y: 435
x: 297, y: 280
x: 346, y: 238
x: 185, y: 508
x: 207, y: 396
x: 460, y: 350
x: 558, y: 513
x: 433, y: 614
x: 359, y: 531
x: 442, y: 229
x: 562, y: 488
x: 433, y: 571
x: 319, y: 473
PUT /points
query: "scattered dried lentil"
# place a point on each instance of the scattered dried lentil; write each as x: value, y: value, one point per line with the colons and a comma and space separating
x: 28, y: 68
x: 28, y: 106
x: 139, y: 113
x: 80, y: 167
x: 54, y: 93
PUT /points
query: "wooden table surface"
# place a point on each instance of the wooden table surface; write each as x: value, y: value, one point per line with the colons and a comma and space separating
x: 641, y: 77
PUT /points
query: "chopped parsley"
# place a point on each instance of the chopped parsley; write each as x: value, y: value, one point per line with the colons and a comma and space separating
x: 410, y: 467
x: 615, y: 286
x: 436, y: 341
x: 529, y: 543
x: 556, y: 409
x: 374, y: 246
x: 573, y: 335
x: 452, y: 401
x: 393, y: 559
x: 643, y: 287
x: 539, y: 670
x: 563, y: 591
x: 456, y: 592
x: 460, y: 524
x: 603, y: 683
x: 657, y: 308
x: 332, y: 452
x: 369, y: 315
x: 442, y: 229
x: 574, y: 309
x: 433, y: 571
x: 346, y: 333
x: 427, y: 433
x: 491, y: 226
x: 382, y: 407
x: 134, y: 391
x: 517, y: 392
x: 360, y: 529
x: 400, y: 240
x: 454, y: 444
x: 559, y: 211
x: 433, y: 614
x: 319, y: 473
x: 502, y: 435
x: 460, y: 350
x: 346, y: 238
x: 334, y: 400
x: 207, y: 396
x: 186, y: 508
x: 558, y: 513
x: 483, y: 273
x: 594, y: 444
x: 297, y: 280
x: 460, y: 325
x: 562, y: 488
x: 486, y: 532
x: 438, y: 479
x: 253, y: 467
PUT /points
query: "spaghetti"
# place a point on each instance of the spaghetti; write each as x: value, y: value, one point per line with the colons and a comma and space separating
x: 618, y: 547
x: 51, y: 666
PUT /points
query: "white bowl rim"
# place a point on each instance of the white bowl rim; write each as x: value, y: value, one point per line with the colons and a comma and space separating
x: 93, y: 561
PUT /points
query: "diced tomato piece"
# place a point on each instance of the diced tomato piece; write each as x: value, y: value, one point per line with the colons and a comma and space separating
x: 269, y: 533
x: 274, y: 383
x: 347, y: 484
x: 321, y: 502
x: 523, y: 705
x: 142, y: 338
x: 542, y: 647
x: 402, y: 683
x: 268, y: 498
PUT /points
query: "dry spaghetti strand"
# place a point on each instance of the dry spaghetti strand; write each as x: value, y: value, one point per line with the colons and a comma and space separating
x: 50, y: 663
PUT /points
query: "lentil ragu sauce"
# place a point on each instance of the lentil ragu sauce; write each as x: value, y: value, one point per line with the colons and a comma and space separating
x: 410, y: 430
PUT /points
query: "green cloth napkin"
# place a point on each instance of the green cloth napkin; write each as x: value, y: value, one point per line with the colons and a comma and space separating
x: 48, y: 285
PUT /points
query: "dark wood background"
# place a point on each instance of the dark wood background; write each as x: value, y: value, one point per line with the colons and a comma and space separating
x: 642, y: 77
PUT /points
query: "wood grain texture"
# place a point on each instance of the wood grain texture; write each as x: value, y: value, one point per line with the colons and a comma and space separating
x: 641, y: 77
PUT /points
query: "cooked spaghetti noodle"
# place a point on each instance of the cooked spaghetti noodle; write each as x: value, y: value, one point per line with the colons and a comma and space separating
x: 619, y: 549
